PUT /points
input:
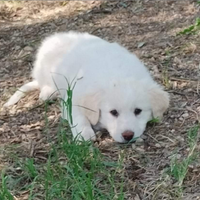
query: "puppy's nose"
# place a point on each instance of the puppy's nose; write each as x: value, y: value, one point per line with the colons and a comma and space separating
x: 128, y: 135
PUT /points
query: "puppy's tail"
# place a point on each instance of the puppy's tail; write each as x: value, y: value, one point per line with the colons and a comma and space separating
x: 21, y: 92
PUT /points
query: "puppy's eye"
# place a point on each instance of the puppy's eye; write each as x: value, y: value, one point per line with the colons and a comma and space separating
x: 114, y: 113
x: 137, y: 111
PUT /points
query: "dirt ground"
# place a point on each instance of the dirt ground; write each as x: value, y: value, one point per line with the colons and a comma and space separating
x: 149, y: 29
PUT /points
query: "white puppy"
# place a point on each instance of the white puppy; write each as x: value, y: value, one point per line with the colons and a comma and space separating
x: 113, y: 90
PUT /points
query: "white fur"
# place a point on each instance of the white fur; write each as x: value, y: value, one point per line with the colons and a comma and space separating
x: 107, y: 77
x: 21, y: 92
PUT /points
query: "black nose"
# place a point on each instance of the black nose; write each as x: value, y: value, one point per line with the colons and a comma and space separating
x: 128, y: 135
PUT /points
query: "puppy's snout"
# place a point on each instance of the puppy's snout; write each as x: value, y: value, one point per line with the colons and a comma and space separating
x: 128, y: 135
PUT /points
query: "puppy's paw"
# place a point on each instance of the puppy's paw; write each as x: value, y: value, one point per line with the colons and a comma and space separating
x: 87, y: 134
x: 47, y: 93
x: 7, y: 104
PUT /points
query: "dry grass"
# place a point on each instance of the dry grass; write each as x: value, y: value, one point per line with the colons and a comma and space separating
x: 148, y: 28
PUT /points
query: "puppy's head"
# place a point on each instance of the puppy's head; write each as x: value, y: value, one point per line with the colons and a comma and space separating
x: 125, y: 107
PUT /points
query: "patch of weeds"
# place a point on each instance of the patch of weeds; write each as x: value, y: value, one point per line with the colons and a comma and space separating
x: 191, y: 29
x: 73, y: 170
x: 4, y: 191
x: 171, y: 181
x: 179, y: 169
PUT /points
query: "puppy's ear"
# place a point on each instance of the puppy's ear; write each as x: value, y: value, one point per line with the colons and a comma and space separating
x: 90, y: 107
x: 159, y: 100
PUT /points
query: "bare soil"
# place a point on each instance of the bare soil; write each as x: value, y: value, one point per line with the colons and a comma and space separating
x: 147, y: 28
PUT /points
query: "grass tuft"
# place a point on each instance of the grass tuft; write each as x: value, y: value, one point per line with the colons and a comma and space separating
x: 4, y: 191
x: 191, y: 29
x: 30, y: 168
x: 179, y: 169
x: 154, y: 121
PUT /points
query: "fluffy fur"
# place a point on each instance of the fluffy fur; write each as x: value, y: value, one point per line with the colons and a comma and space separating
x: 108, y: 77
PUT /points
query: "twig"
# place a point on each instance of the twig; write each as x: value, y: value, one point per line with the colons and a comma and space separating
x: 153, y: 138
x: 168, y: 139
x: 191, y: 110
x: 177, y: 109
x: 179, y: 93
x: 37, y: 106
x: 183, y: 79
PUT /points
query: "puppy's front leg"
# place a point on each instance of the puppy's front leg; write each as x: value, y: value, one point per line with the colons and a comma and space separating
x: 81, y: 127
